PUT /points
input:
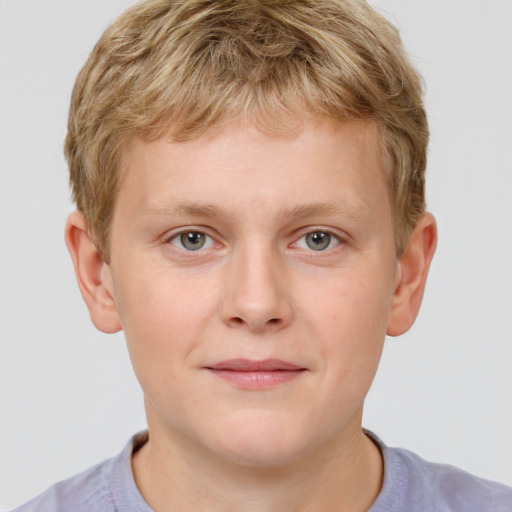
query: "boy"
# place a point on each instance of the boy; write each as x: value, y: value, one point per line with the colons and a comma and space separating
x: 249, y: 184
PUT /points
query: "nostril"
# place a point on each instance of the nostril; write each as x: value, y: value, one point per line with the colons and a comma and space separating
x: 236, y: 320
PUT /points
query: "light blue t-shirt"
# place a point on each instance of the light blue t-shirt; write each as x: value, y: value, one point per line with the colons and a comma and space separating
x: 410, y: 485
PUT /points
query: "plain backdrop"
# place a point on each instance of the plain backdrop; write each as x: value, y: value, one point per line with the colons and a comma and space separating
x: 68, y: 397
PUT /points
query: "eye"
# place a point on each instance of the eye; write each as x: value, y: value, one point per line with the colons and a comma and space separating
x: 318, y: 241
x: 192, y: 241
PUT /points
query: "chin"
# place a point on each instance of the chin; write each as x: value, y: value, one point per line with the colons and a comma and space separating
x: 260, y: 455
x: 263, y: 443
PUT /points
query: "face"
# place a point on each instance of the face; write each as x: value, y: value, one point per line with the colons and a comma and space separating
x: 253, y: 277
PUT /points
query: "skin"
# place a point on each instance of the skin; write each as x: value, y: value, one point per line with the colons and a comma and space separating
x: 256, y: 290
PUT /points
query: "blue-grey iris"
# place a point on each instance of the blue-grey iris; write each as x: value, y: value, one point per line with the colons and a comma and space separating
x: 193, y: 240
x: 318, y: 240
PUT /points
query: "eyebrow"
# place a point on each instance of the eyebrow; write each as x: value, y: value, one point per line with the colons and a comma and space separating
x: 207, y: 210
x: 330, y: 208
x: 188, y: 208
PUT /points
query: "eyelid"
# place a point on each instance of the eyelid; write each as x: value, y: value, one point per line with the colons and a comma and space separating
x: 339, y: 237
x: 173, y: 235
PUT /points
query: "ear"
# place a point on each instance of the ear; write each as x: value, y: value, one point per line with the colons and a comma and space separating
x: 93, y: 275
x: 412, y: 274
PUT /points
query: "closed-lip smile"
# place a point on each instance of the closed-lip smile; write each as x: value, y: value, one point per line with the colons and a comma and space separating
x: 256, y: 375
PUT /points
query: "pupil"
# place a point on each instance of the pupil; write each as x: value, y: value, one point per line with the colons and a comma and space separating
x: 318, y: 240
x: 193, y: 240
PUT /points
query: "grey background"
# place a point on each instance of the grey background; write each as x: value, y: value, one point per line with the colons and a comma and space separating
x: 67, y: 395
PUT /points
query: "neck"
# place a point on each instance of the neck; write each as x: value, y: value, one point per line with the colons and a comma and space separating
x: 343, y: 476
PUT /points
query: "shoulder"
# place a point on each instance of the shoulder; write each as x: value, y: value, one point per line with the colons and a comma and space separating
x: 454, y: 489
x: 82, y: 493
x: 412, y: 483
x: 106, y: 487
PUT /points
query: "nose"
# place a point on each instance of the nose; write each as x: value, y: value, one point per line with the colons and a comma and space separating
x: 256, y: 296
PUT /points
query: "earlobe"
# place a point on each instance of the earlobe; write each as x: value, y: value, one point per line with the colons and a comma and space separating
x: 93, y: 275
x: 412, y: 275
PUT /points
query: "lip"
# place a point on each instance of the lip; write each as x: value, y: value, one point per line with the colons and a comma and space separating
x: 256, y: 375
x: 249, y: 365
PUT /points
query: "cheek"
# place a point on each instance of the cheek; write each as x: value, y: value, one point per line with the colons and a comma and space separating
x: 162, y: 298
x: 353, y: 306
x: 163, y: 317
x: 348, y: 319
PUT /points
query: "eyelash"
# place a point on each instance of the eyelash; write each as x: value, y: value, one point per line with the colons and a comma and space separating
x: 211, y: 242
x: 179, y: 238
x: 333, y: 237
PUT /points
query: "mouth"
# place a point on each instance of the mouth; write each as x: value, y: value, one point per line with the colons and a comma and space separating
x: 256, y: 375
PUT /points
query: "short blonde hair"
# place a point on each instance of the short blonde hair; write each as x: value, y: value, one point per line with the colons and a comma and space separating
x: 181, y: 67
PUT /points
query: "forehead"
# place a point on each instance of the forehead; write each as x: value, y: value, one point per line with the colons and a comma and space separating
x: 312, y: 167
